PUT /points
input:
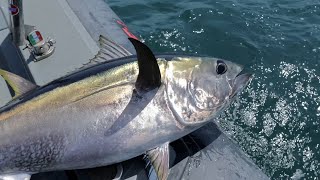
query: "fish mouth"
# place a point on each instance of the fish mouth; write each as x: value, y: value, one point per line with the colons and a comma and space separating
x: 240, y: 82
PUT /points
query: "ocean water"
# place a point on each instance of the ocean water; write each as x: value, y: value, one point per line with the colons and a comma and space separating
x: 276, y: 121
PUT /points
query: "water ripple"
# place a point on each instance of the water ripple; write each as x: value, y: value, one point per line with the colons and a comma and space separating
x: 287, y: 109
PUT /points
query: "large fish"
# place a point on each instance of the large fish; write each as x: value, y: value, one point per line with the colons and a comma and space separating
x: 113, y: 111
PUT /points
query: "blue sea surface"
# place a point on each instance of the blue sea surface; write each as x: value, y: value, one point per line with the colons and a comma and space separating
x: 276, y: 121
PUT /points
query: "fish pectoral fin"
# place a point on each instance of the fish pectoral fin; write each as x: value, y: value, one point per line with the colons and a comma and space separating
x: 15, y: 177
x: 149, y: 76
x: 159, y: 158
x: 17, y: 83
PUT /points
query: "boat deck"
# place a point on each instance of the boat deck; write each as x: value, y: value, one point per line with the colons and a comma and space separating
x: 74, y: 45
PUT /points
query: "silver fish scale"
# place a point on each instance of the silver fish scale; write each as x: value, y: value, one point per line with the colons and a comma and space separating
x: 32, y: 155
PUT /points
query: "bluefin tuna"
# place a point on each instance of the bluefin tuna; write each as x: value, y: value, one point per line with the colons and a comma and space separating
x: 113, y: 111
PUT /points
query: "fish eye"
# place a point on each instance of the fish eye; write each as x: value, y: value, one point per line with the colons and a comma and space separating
x: 221, y: 67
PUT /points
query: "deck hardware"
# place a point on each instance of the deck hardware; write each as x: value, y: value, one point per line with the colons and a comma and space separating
x: 39, y: 47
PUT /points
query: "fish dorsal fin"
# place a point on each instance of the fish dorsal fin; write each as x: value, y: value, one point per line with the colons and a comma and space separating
x: 109, y: 50
x: 149, y: 73
x: 17, y: 83
x: 159, y: 158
